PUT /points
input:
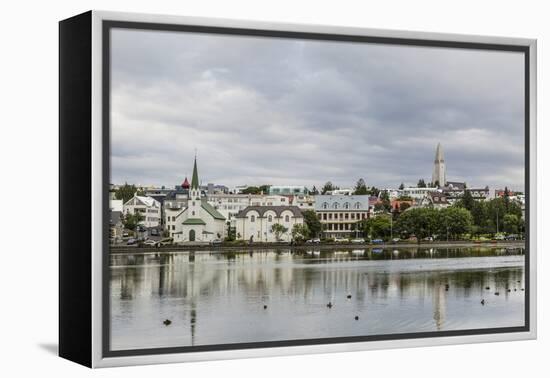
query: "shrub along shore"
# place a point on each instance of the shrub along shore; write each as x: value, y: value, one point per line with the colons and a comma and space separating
x: 232, y: 247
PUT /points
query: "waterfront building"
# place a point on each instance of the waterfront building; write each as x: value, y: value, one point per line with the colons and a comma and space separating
x: 339, y: 214
x: 148, y: 207
x: 197, y: 221
x: 439, y: 175
x: 254, y: 223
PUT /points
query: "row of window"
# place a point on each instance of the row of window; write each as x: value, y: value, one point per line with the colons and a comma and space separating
x: 342, y: 216
x: 269, y: 218
x: 339, y: 226
x: 346, y: 205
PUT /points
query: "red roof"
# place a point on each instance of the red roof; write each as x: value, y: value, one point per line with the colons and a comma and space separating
x: 185, y: 184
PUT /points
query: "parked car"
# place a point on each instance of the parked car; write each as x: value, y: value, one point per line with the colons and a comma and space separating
x: 428, y: 238
x: 167, y: 241
x: 357, y: 241
x: 313, y: 241
x: 125, y: 234
x: 341, y: 240
x: 512, y: 237
x: 377, y: 241
x: 131, y: 241
x: 150, y: 243
x: 395, y: 240
x: 216, y: 242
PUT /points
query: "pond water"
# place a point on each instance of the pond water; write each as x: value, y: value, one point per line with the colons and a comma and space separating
x: 274, y: 295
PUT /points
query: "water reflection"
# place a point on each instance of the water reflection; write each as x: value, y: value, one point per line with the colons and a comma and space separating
x: 214, y: 298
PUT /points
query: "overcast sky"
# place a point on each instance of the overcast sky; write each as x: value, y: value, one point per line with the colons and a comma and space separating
x: 297, y: 112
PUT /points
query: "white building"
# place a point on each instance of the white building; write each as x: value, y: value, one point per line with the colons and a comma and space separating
x: 341, y: 192
x: 148, y: 207
x: 340, y: 214
x: 304, y: 202
x: 255, y: 223
x: 417, y: 193
x: 116, y: 205
x: 198, y: 221
x: 287, y: 190
x: 229, y: 205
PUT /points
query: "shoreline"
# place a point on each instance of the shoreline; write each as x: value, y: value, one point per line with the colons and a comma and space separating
x: 207, y: 248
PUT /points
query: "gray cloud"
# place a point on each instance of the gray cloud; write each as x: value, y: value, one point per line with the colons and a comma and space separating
x: 281, y: 111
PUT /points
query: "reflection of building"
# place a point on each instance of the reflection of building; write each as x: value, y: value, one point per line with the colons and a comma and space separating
x: 198, y: 220
x: 255, y: 223
x: 339, y: 214
x: 439, y: 176
x: 439, y: 305
x: 148, y: 207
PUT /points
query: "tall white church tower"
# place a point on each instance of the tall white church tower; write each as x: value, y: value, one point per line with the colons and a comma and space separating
x: 439, y: 174
x: 194, y: 196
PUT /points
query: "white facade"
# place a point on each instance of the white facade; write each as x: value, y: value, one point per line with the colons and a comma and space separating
x: 255, y: 223
x: 340, y: 214
x: 417, y: 193
x: 148, y: 207
x: 116, y: 205
x: 304, y: 202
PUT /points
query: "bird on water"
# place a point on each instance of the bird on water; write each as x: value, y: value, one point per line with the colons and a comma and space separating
x: 167, y: 322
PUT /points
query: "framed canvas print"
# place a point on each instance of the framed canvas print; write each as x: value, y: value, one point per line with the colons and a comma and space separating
x: 232, y: 189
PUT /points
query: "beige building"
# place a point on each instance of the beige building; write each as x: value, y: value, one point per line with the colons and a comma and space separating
x: 255, y: 223
x: 339, y: 214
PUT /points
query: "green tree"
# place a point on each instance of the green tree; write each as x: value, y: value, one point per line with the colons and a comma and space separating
x: 421, y: 183
x: 378, y: 227
x: 278, y: 230
x: 130, y: 221
x: 511, y: 223
x: 126, y: 192
x: 402, y: 186
x: 314, y: 191
x: 361, y: 188
x: 374, y: 191
x: 421, y: 222
x: 454, y: 221
x: 313, y: 224
x: 300, y: 232
x: 328, y: 187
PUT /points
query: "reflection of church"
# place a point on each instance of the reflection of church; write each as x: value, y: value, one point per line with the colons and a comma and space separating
x: 198, y: 220
x: 439, y: 305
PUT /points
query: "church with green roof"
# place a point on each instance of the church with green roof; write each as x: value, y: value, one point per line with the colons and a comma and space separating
x: 198, y: 221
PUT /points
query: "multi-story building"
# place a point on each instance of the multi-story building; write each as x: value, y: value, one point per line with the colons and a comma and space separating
x: 148, y: 207
x: 479, y: 194
x: 255, y: 223
x: 415, y: 193
x: 287, y: 190
x: 339, y: 214
x: 304, y: 202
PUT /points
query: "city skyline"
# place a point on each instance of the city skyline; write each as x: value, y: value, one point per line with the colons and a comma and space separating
x: 333, y: 112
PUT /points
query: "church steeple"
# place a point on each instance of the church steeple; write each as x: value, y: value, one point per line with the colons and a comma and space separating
x: 195, y: 178
x: 439, y: 176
